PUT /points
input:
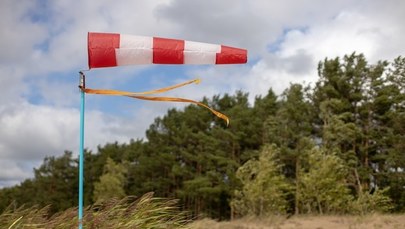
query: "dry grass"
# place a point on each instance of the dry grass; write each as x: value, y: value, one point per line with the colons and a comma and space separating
x: 144, y: 213
x: 308, y: 222
x: 149, y: 212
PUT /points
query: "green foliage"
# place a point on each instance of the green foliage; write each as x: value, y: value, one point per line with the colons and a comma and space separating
x: 264, y: 187
x: 111, y: 183
x: 361, y: 109
x: 377, y: 202
x: 322, y: 187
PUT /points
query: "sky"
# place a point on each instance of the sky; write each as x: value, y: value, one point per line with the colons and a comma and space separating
x: 43, y: 46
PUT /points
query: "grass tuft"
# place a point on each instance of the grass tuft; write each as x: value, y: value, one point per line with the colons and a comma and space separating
x: 129, y: 212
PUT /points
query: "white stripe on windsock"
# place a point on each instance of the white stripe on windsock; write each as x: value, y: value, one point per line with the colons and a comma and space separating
x: 200, y: 53
x: 134, y: 50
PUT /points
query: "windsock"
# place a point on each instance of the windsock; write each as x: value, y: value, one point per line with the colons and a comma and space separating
x: 111, y: 50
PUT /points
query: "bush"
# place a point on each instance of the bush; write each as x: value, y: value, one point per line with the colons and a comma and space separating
x: 378, y: 202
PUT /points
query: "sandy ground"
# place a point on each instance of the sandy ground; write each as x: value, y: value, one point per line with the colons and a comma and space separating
x: 308, y: 222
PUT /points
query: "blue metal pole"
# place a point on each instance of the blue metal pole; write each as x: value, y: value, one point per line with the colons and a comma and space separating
x: 81, y: 149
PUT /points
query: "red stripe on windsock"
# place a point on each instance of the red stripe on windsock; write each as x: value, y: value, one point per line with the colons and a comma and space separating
x: 231, y: 55
x: 101, y: 49
x: 168, y: 51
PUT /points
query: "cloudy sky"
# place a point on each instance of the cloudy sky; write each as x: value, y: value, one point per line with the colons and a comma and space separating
x: 43, y: 46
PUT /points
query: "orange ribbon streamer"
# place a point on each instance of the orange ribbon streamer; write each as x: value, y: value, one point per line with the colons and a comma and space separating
x: 140, y: 95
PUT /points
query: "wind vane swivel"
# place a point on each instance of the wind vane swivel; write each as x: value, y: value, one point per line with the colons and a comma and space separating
x: 112, y: 50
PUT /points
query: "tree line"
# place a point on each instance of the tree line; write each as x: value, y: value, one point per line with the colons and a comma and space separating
x: 334, y: 147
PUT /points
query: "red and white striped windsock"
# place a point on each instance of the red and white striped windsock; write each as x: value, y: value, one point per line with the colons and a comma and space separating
x: 110, y: 50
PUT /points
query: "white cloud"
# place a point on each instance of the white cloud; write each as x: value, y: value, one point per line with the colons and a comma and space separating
x: 31, y: 132
x: 300, y: 50
x: 12, y: 172
x: 18, y: 33
x: 250, y: 24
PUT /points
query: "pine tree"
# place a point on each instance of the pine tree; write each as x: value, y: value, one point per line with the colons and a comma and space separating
x: 355, y: 105
x: 58, y: 182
